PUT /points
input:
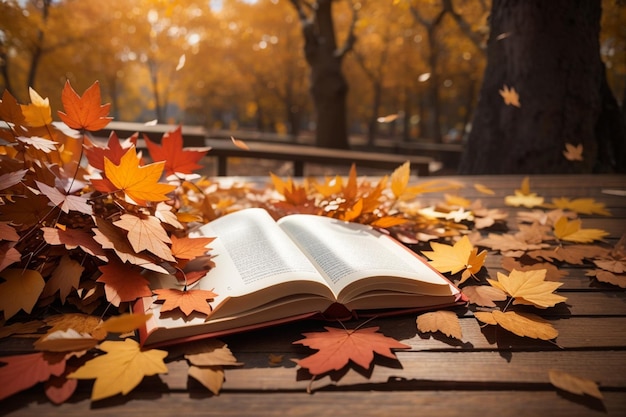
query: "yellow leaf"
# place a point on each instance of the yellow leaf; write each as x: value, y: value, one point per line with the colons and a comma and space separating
x: 527, y: 200
x: 446, y: 258
x: 573, y: 152
x: 529, y: 287
x: 125, y: 323
x: 20, y: 290
x: 446, y: 322
x: 400, y: 179
x: 484, y: 189
x: 571, y: 231
x: 37, y: 113
x: 139, y: 183
x: 522, y: 324
x: 212, y: 377
x: 580, y: 205
x: 121, y: 369
x: 574, y: 384
x: 211, y: 352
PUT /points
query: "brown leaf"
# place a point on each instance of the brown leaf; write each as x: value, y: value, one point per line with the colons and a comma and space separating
x: 522, y: 324
x: 210, y: 352
x: 572, y: 254
x: 211, y: 377
x: 608, y: 277
x: 146, y: 233
x: 65, y: 341
x: 574, y: 384
x: 73, y: 238
x: 190, y: 248
x: 123, y: 282
x: 484, y: 295
x: 66, y: 276
x: 20, y: 290
x: 552, y: 272
x: 446, y: 322
x: 187, y: 301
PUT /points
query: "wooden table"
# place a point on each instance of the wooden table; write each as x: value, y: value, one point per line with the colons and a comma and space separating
x: 489, y: 373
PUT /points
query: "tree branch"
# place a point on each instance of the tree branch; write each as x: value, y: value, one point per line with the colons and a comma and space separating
x: 351, y: 38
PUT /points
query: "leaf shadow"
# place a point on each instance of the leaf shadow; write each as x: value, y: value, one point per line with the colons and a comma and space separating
x: 587, y: 401
x: 451, y: 341
x: 335, y: 376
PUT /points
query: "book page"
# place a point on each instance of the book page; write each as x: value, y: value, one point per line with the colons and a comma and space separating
x: 349, y: 252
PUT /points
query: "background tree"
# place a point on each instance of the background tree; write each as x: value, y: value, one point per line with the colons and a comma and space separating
x: 549, y: 53
x: 329, y: 87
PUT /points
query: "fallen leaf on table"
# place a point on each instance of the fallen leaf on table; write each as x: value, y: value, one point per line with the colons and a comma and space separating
x: 510, y: 242
x: 65, y: 341
x: 337, y: 347
x: 573, y: 152
x: 124, y: 323
x: 24, y: 371
x: 446, y: 322
x: 186, y: 301
x: 574, y: 384
x: 572, y: 231
x: 461, y: 256
x: 484, y: 189
x: 84, y: 112
x: 175, y: 157
x: 521, y: 324
x: 529, y: 287
x: 60, y: 389
x: 525, y: 200
x: 608, y: 277
x: 121, y: 368
x: 274, y: 359
x: 617, y: 266
x: 572, y: 254
x: 210, y: 352
x: 28, y: 327
x: 484, y: 295
x: 510, y: 96
x: 20, y: 290
x: 580, y: 205
x: 552, y: 272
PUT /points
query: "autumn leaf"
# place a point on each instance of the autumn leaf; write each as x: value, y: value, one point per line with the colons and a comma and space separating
x: 510, y: 96
x: 446, y: 322
x: 608, y: 277
x: 337, y: 347
x: 84, y: 112
x: 24, y: 371
x: 211, y: 377
x: 574, y: 384
x: 400, y: 179
x: 65, y: 341
x: 187, y: 301
x: 113, y: 151
x: 484, y: 295
x: 65, y: 202
x: 484, y: 189
x: 572, y: 254
x: 529, y: 287
x: 9, y: 179
x: 124, y: 323
x: 41, y: 144
x: 521, y: 324
x: 8, y: 256
x: 573, y: 152
x: 10, y: 110
x: 552, y: 272
x: 123, y: 282
x: 121, y: 368
x: 18, y: 328
x: 580, y: 205
x: 73, y: 238
x: 139, y: 183
x: 37, y: 113
x: 461, y: 256
x: 190, y: 248
x: 146, y: 233
x: 176, y: 159
x: 526, y: 200
x: 66, y: 276
x: 240, y: 143
x: 20, y: 290
x: 571, y: 231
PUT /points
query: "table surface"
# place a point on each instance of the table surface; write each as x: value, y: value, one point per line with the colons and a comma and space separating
x: 489, y: 373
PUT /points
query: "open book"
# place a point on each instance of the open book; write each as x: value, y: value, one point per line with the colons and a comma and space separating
x: 300, y: 266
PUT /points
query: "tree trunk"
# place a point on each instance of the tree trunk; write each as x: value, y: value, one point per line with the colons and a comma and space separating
x: 548, y: 51
x: 38, y: 52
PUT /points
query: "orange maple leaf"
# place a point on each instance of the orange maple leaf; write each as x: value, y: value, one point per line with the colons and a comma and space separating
x: 190, y: 248
x: 139, y: 183
x: 113, y: 151
x: 337, y: 347
x: 84, y: 112
x: 186, y: 301
x: 123, y: 282
x: 171, y: 151
x: 24, y: 371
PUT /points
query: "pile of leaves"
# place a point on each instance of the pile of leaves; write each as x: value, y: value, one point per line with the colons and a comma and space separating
x: 81, y: 222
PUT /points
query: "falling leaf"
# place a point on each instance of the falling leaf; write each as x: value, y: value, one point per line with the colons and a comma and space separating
x: 571, y: 231
x: 521, y: 324
x: 146, y: 233
x: 446, y: 322
x: 484, y: 295
x: 65, y: 202
x: 187, y: 301
x: 139, y: 183
x: 580, y: 205
x: 66, y: 276
x: 121, y: 368
x: 37, y: 113
x: 20, y: 290
x: 529, y: 287
x: 573, y: 152
x: 574, y: 384
x: 337, y: 347
x: 240, y: 144
x: 176, y: 159
x: 84, y: 112
x: 510, y: 96
x: 190, y: 248
x: 123, y: 283
x: 181, y: 62
x: 387, y: 119
x: 24, y: 371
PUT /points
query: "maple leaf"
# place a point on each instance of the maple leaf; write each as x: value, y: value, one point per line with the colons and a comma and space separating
x: 484, y: 295
x: 571, y: 231
x: 177, y: 159
x: 139, y: 183
x: 446, y: 322
x: 572, y: 254
x: 123, y: 282
x: 461, y: 256
x: 190, y: 248
x: 121, y: 368
x: 526, y: 200
x: 522, y: 324
x: 113, y: 151
x: 146, y: 233
x: 41, y: 144
x: 73, y: 238
x: 10, y: 110
x: 529, y: 287
x: 211, y: 377
x: 24, y: 371
x: 186, y: 301
x: 124, y: 323
x: 66, y: 276
x: 9, y: 179
x: 37, y: 113
x: 552, y: 272
x: 337, y: 347
x: 573, y: 152
x: 510, y: 96
x: 20, y: 290
x: 65, y: 341
x: 608, y: 277
x: 84, y: 112
x: 580, y: 205
x: 208, y: 352
x: 574, y: 384
x: 65, y: 202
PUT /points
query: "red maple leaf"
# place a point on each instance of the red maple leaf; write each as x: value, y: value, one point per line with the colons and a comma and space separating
x: 24, y: 371
x: 84, y: 112
x: 113, y: 151
x: 337, y: 347
x: 171, y: 151
x: 123, y: 282
x: 187, y: 301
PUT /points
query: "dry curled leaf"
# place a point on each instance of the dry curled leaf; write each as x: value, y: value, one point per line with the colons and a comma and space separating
x: 522, y: 324
x: 484, y: 295
x: 574, y: 384
x: 446, y: 322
